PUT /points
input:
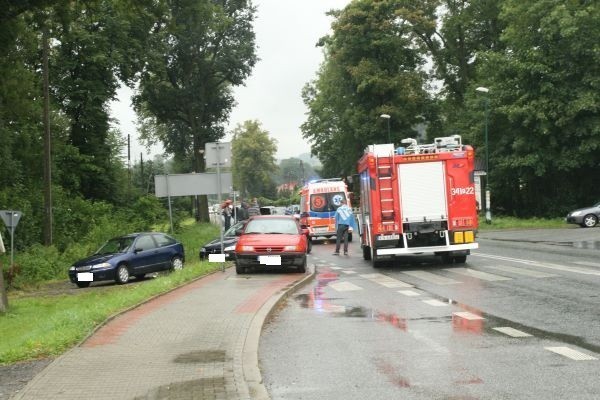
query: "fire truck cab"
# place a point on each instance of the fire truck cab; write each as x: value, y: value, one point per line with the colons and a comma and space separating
x: 319, y: 199
x: 418, y: 199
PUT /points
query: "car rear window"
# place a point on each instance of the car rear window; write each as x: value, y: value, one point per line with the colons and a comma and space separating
x: 163, y: 240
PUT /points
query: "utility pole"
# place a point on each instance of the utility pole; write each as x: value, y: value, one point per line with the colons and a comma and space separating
x: 3, y: 296
x: 47, y: 145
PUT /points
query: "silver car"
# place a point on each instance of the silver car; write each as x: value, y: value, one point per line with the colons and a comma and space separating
x: 586, y: 217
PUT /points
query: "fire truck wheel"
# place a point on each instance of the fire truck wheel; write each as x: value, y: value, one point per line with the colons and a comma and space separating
x: 376, y: 263
x: 460, y: 259
x: 447, y: 258
x: 366, y: 253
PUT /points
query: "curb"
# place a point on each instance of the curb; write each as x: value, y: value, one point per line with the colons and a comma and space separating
x: 250, y: 367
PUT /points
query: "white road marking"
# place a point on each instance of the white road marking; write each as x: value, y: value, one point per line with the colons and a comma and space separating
x: 511, y: 331
x: 570, y: 353
x: 468, y: 315
x: 409, y: 293
x: 588, y: 263
x: 386, y: 281
x: 478, y: 274
x: 344, y: 286
x: 435, y: 303
x: 336, y: 268
x: 431, y: 278
x: 558, y: 267
x: 520, y: 271
x: 348, y: 271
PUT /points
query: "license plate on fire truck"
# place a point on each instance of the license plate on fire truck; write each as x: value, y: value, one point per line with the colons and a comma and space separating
x: 394, y: 236
x: 320, y: 229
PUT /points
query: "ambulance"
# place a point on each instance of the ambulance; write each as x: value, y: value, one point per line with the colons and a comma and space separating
x: 319, y: 199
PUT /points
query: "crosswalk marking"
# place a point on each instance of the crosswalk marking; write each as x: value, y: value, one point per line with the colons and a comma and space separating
x: 409, y: 293
x: 558, y: 267
x: 511, y: 331
x: 468, y: 315
x: 386, y: 281
x: 478, y: 274
x: 431, y: 278
x: 520, y: 271
x: 570, y: 353
x: 336, y: 268
x: 348, y: 271
x: 435, y: 303
x: 344, y: 286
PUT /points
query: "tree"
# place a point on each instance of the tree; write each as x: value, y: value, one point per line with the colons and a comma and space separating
x: 253, y: 158
x: 545, y: 131
x: 370, y: 68
x: 199, y: 51
x: 100, y: 43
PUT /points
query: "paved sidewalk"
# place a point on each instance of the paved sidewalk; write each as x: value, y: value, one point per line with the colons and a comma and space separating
x: 197, y: 342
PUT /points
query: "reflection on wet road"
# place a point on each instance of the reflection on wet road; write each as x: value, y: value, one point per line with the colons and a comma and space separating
x: 495, y: 327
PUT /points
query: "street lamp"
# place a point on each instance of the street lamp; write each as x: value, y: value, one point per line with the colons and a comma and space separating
x: 488, y: 212
x: 387, y: 116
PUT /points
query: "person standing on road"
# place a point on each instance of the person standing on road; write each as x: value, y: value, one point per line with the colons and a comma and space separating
x: 227, y: 213
x: 344, y: 222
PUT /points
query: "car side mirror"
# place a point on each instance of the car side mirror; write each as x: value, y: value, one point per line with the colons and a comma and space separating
x: 137, y: 250
x: 238, y: 232
x: 304, y: 215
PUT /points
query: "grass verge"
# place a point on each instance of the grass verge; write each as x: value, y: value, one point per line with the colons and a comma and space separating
x: 516, y: 223
x: 47, y: 325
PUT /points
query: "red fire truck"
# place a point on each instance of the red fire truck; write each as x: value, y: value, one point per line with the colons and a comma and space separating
x: 418, y: 199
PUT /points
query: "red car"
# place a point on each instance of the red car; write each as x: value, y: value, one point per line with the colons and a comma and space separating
x: 272, y: 241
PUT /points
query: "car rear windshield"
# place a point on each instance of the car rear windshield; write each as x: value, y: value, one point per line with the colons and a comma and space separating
x: 322, y: 202
x: 284, y: 226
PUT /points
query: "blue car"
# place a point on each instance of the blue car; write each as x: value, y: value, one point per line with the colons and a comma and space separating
x: 136, y: 254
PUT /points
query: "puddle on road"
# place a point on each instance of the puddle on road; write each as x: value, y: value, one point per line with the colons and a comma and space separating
x: 464, y: 324
x: 204, y: 388
x: 201, y: 356
x: 586, y: 245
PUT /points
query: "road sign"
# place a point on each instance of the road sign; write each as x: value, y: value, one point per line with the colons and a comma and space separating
x: 190, y: 184
x: 218, y: 154
x: 10, y: 218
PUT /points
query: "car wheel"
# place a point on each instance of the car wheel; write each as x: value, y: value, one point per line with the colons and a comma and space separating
x: 176, y: 263
x: 590, y: 221
x: 122, y: 274
x: 302, y: 268
x: 239, y: 270
x: 83, y: 284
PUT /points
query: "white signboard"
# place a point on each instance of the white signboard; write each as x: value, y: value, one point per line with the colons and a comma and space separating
x: 217, y: 154
x: 2, y: 249
x: 191, y: 184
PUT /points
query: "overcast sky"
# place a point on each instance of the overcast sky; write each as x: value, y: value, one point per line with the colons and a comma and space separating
x: 286, y: 34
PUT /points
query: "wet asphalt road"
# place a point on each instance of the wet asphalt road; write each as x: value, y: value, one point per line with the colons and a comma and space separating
x: 519, y: 320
